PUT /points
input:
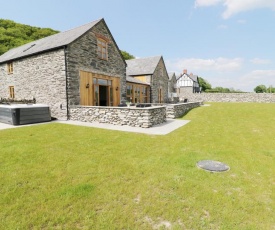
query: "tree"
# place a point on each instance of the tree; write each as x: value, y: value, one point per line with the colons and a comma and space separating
x: 14, y: 34
x: 204, y: 84
x: 270, y: 89
x: 260, y: 89
x: 126, y: 55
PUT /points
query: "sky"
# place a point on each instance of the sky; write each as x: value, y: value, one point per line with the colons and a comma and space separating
x: 229, y: 43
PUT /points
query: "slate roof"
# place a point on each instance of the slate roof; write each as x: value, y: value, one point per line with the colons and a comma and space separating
x: 194, y: 78
x: 171, y: 75
x: 142, y: 66
x: 137, y: 81
x: 180, y: 76
x: 47, y: 43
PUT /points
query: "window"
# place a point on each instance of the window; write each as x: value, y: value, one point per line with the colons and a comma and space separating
x: 137, y: 93
x: 11, y: 89
x: 144, y: 94
x: 102, y: 49
x: 129, y: 93
x: 10, y: 67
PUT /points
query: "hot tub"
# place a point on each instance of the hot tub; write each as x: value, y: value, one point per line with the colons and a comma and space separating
x: 21, y: 114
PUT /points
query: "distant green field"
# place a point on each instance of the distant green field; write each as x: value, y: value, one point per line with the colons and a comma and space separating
x: 57, y: 176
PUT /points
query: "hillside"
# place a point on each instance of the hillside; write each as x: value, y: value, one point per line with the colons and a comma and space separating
x: 14, y: 34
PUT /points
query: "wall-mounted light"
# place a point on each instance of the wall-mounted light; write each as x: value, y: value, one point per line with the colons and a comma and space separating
x: 117, y: 88
x: 87, y: 86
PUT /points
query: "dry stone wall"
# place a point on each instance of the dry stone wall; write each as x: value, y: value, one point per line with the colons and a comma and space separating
x: 231, y: 97
x: 178, y: 110
x: 131, y: 116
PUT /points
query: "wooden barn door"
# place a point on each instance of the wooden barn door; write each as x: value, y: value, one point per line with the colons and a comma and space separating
x: 99, y: 90
x: 86, y: 88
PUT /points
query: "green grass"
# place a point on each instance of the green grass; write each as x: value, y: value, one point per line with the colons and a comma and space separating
x: 56, y: 176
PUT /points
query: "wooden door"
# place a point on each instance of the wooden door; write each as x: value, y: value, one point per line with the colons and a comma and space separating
x: 160, y: 96
x: 116, y: 91
x: 89, y: 89
x: 86, y: 89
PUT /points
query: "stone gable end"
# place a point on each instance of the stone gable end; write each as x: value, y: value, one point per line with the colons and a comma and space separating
x: 160, y: 80
x: 82, y: 56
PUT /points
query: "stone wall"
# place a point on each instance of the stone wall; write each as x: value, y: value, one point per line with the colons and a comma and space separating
x: 183, y: 91
x: 178, y: 110
x: 40, y: 76
x: 160, y: 80
x: 82, y: 55
x: 231, y: 97
x: 131, y: 116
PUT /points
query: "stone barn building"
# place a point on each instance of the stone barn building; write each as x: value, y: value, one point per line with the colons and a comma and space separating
x: 150, y: 71
x: 81, y: 66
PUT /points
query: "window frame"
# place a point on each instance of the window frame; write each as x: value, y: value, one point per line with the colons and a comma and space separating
x: 10, y: 67
x: 11, y: 92
x: 138, y: 93
x: 102, y: 48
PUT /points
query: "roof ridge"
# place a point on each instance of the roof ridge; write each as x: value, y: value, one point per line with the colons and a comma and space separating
x: 78, y: 26
x: 47, y: 43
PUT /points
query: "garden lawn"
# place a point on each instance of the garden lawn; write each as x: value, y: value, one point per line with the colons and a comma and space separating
x: 57, y: 176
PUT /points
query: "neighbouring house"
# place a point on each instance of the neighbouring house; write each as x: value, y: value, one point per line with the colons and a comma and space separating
x: 147, y: 80
x: 81, y: 66
x: 172, y: 86
x: 187, y: 83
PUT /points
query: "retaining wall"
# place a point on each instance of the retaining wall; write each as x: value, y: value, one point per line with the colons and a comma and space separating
x: 131, y: 116
x: 178, y: 110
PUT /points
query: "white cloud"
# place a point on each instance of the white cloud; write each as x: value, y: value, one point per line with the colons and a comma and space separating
x: 225, y: 72
x: 264, y: 75
x: 200, y: 3
x: 237, y: 6
x: 196, y: 65
x: 259, y: 61
x: 258, y: 77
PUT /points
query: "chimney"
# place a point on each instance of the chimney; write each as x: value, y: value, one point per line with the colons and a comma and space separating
x: 185, y: 71
x: 191, y: 74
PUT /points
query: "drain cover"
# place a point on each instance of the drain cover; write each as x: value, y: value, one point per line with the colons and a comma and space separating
x: 213, y: 166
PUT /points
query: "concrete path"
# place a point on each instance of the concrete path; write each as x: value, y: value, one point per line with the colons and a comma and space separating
x: 169, y: 126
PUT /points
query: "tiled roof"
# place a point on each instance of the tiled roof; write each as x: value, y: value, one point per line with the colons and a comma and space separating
x: 142, y: 66
x: 47, y: 43
x: 134, y: 80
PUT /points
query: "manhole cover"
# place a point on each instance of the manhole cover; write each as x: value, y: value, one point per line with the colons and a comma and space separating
x: 213, y: 166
